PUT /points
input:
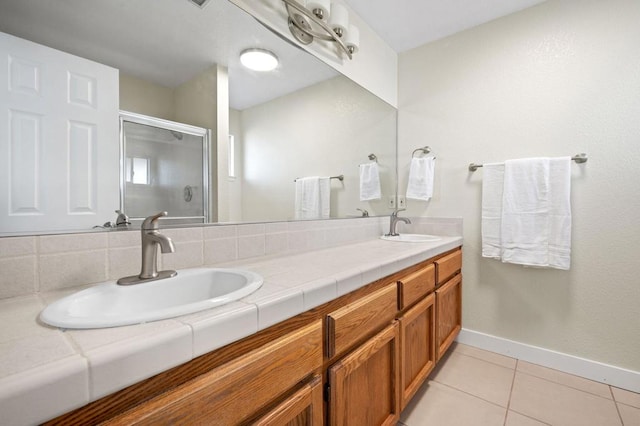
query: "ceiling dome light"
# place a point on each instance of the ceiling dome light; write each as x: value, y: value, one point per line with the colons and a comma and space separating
x: 259, y: 59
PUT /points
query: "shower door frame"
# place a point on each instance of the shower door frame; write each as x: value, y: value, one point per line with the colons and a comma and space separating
x: 205, y: 134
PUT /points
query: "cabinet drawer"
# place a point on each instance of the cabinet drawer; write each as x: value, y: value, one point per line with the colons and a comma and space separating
x: 233, y: 392
x: 356, y: 321
x: 415, y: 286
x: 448, y: 265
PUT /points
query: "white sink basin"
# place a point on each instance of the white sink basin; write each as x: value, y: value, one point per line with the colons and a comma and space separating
x: 412, y: 238
x: 111, y: 305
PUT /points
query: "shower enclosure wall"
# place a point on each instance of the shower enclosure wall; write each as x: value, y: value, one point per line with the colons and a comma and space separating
x: 164, y: 167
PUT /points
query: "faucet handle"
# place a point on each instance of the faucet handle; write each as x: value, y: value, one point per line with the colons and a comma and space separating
x: 151, y: 222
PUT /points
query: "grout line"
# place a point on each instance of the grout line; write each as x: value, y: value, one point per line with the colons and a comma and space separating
x: 613, y: 397
x: 567, y: 386
x: 467, y: 393
x: 513, y: 381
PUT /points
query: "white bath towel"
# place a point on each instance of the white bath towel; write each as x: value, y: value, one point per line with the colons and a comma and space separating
x: 525, y: 212
x: 492, y: 184
x: 312, y: 198
x: 536, y: 212
x: 560, y: 213
x: 370, y: 182
x: 420, y: 185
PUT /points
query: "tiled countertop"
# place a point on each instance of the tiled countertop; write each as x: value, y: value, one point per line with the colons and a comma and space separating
x: 45, y: 372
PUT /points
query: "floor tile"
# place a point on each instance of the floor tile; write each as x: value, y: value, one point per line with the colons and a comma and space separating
x: 630, y: 415
x: 492, y: 357
x: 480, y: 378
x: 437, y: 404
x: 566, y: 379
x: 626, y: 397
x: 560, y: 405
x: 516, y: 419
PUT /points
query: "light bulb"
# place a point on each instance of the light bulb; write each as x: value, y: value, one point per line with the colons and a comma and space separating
x: 259, y: 59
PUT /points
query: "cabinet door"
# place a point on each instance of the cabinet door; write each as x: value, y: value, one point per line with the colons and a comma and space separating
x: 234, y: 392
x: 303, y: 408
x: 417, y: 346
x: 448, y: 313
x: 364, y: 384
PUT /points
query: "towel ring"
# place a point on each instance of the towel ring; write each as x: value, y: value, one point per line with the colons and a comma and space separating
x: 425, y: 150
x: 373, y: 157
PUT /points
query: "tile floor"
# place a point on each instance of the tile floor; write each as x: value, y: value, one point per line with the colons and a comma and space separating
x: 474, y: 387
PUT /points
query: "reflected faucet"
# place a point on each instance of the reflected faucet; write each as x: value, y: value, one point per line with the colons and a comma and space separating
x: 394, y: 219
x: 151, y: 238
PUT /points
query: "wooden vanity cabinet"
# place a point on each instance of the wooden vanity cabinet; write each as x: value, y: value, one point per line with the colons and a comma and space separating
x: 363, y: 386
x: 234, y: 392
x: 356, y: 360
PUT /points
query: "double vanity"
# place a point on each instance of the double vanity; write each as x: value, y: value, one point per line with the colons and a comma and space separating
x: 338, y: 335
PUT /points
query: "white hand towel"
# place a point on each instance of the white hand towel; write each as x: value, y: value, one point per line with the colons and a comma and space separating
x: 313, y: 198
x: 525, y: 212
x: 560, y: 213
x: 324, y: 184
x: 420, y: 185
x: 492, y: 184
x: 370, y: 182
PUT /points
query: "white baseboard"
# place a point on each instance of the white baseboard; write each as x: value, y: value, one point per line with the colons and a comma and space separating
x: 593, y: 370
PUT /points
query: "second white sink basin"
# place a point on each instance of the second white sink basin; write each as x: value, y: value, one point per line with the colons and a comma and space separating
x: 111, y: 305
x: 412, y: 238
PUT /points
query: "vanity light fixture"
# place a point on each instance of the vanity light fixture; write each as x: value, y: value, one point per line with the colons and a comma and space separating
x: 259, y: 59
x: 325, y: 20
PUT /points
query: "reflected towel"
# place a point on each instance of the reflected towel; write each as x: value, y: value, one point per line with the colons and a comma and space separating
x: 370, y: 182
x: 420, y: 185
x: 312, y: 198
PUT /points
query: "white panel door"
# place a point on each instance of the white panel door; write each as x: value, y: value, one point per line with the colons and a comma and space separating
x: 59, y: 139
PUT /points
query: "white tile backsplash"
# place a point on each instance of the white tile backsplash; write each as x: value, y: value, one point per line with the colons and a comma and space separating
x: 72, y: 269
x: 17, y: 246
x: 51, y: 244
x: 52, y: 262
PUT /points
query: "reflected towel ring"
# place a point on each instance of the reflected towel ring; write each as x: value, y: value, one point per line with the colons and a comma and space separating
x: 373, y: 157
x: 425, y: 150
x: 188, y: 193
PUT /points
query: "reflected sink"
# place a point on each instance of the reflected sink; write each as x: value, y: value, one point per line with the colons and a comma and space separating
x: 412, y: 238
x: 112, y: 305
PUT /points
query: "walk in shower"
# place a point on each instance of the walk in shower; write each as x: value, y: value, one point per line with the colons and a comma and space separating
x: 164, y: 167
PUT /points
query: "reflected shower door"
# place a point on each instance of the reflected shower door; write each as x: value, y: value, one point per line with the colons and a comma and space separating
x: 164, y: 168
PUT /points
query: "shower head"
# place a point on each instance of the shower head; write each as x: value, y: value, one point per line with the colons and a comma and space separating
x: 176, y: 135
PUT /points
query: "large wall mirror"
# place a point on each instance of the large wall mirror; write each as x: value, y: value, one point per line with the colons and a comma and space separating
x: 178, y: 61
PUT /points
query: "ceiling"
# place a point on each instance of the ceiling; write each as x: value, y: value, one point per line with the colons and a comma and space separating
x: 406, y: 24
x: 170, y: 41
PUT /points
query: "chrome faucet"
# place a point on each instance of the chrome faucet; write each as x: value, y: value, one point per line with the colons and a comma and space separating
x: 394, y: 218
x: 151, y: 239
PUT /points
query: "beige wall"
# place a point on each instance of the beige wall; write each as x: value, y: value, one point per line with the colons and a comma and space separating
x: 558, y: 79
x: 327, y: 129
x: 143, y: 97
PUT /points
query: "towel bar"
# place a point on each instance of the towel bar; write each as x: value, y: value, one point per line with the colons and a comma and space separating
x: 339, y: 177
x: 578, y: 158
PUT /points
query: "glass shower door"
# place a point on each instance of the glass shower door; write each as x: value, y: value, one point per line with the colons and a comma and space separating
x: 164, y: 168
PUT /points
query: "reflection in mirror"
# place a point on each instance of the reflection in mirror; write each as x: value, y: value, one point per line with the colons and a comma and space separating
x: 302, y: 119
x: 164, y: 168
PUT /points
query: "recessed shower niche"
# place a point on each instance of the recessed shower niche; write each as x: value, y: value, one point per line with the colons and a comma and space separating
x: 164, y: 167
